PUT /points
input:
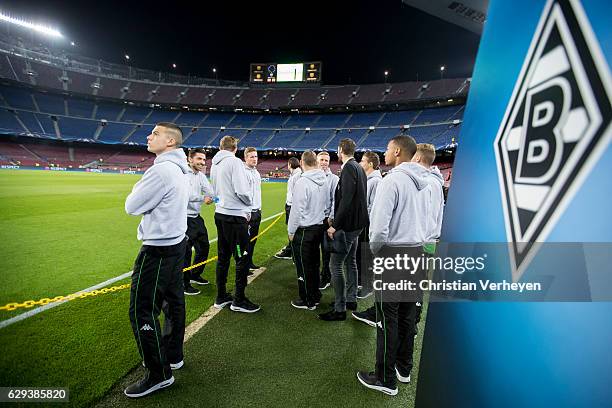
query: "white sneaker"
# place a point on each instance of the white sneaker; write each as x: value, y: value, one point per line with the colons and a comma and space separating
x: 401, y: 378
x: 178, y: 365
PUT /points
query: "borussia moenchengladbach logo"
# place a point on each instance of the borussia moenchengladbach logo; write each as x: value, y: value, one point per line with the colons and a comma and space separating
x: 556, y: 126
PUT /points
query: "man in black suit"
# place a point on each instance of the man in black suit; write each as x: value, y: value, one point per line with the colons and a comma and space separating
x: 350, y: 216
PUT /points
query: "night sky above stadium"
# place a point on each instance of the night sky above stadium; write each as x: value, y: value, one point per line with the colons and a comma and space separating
x: 356, y: 40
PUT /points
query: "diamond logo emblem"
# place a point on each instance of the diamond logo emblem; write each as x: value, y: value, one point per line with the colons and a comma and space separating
x: 556, y: 126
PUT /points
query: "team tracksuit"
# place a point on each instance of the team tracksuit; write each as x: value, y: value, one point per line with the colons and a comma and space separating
x: 255, y: 183
x: 364, y: 276
x: 295, y: 174
x: 332, y: 183
x: 397, y: 225
x: 197, y: 234
x: 310, y: 200
x: 232, y: 212
x: 161, y: 198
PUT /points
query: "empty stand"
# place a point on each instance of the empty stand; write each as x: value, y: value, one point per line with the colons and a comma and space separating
x: 73, y: 128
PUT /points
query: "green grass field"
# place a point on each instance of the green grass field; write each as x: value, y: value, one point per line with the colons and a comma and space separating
x: 63, y: 232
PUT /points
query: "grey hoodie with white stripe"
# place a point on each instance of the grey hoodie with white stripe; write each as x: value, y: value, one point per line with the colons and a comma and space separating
x: 161, y: 197
x: 310, y: 199
x: 401, y: 208
x: 231, y: 185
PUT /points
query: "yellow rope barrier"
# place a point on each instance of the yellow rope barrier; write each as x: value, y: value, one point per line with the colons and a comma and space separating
x: 44, y: 301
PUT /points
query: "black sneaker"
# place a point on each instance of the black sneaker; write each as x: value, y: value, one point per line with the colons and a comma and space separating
x: 333, y: 316
x: 284, y: 253
x: 402, y: 378
x: 223, y: 301
x: 250, y: 273
x: 368, y: 316
x: 300, y: 304
x: 324, y: 284
x: 372, y: 382
x: 244, y: 306
x: 349, y: 305
x: 146, y: 386
x: 364, y: 293
x: 191, y: 291
x: 198, y: 280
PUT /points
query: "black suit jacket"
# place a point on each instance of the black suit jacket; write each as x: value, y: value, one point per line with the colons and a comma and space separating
x: 350, y: 206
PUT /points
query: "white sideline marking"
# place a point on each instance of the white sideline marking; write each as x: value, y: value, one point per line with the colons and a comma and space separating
x: 33, y: 312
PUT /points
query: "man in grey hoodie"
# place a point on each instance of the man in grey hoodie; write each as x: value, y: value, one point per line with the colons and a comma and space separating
x: 200, y: 191
x: 250, y: 162
x: 332, y: 183
x: 398, y: 225
x: 161, y: 197
x: 232, y: 215
x: 370, y: 163
x: 425, y: 156
x: 305, y: 227
x: 293, y: 164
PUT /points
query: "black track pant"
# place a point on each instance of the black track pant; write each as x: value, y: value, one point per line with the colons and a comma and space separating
x: 305, y: 245
x: 253, y: 231
x: 395, y: 339
x: 157, y: 278
x: 197, y: 238
x: 233, y: 240
x: 397, y: 325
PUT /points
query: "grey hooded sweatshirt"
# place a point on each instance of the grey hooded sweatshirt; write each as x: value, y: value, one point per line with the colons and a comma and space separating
x: 310, y: 199
x: 199, y: 188
x: 161, y: 197
x: 255, y: 182
x: 373, y: 179
x: 231, y: 185
x: 400, y: 214
x: 436, y: 180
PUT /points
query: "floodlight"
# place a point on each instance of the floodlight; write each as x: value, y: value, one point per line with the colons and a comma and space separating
x: 32, y: 26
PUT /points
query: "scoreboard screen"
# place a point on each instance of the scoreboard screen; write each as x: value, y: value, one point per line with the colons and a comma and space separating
x: 278, y: 73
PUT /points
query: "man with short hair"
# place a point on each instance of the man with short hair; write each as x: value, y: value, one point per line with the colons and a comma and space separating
x: 161, y: 197
x: 399, y: 224
x: 305, y: 228
x: 370, y: 164
x: 250, y: 160
x: 197, y: 234
x: 232, y: 214
x: 350, y: 216
x: 425, y: 156
x: 293, y: 164
x: 332, y: 183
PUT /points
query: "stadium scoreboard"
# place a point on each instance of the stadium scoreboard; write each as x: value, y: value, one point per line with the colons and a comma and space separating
x: 277, y: 73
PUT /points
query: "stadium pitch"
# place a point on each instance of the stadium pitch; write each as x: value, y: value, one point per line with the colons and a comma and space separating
x: 63, y: 232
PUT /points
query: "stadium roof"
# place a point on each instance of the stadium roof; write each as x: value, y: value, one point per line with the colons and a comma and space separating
x: 357, y: 41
